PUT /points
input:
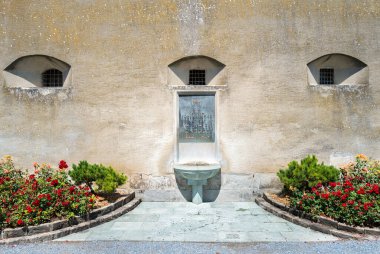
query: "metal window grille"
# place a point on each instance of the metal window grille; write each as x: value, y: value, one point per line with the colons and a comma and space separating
x: 326, y: 76
x: 52, y: 78
x: 197, y: 77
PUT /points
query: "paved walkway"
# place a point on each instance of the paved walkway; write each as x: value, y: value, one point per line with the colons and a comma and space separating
x: 129, y: 247
x: 207, y: 222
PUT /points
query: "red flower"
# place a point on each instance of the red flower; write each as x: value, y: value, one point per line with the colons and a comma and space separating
x: 72, y: 189
x: 325, y: 196
x: 36, y: 202
x: 35, y: 185
x: 54, y: 182
x: 31, y: 177
x: 332, y: 184
x: 375, y: 188
x: 344, y: 205
x: 59, y: 192
x: 367, y: 205
x: 20, y: 222
x: 29, y: 209
x: 350, y: 202
x: 348, y: 190
x: 344, y: 197
x: 65, y: 203
x: 347, y: 183
x: 361, y: 191
x: 62, y: 164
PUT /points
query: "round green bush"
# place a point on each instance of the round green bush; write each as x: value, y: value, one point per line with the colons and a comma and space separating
x: 307, y: 174
x: 105, y: 178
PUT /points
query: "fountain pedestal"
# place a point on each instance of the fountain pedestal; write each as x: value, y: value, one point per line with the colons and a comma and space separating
x: 197, y: 190
x: 197, y: 175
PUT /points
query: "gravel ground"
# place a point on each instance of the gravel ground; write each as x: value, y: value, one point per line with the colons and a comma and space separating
x: 114, y: 247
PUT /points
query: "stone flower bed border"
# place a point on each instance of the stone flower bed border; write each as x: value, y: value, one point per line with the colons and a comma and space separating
x: 56, y: 229
x: 319, y: 223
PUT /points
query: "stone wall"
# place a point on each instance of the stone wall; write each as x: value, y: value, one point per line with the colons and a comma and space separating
x: 119, y: 106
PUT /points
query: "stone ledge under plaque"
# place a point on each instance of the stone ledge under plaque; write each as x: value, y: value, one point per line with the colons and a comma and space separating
x: 199, y: 88
x: 41, y: 93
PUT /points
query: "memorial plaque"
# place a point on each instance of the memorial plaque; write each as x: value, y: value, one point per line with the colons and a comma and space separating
x: 197, y: 118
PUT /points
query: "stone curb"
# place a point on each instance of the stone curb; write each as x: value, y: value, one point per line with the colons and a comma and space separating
x: 318, y: 223
x: 59, y: 228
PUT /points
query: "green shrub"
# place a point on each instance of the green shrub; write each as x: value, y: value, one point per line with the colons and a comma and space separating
x: 105, y: 178
x: 306, y: 175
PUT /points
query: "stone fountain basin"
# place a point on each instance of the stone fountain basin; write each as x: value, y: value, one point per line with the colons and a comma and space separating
x: 197, y: 171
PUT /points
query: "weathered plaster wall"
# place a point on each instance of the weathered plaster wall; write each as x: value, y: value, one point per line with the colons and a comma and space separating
x: 119, y: 109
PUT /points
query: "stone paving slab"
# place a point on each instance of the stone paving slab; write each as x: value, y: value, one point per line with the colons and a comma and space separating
x: 207, y: 222
x: 149, y: 247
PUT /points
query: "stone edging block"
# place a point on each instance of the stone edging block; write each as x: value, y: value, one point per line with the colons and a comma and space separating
x: 56, y: 229
x: 318, y: 223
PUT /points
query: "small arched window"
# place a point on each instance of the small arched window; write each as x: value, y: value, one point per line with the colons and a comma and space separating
x: 197, y: 71
x: 52, y: 78
x: 337, y: 70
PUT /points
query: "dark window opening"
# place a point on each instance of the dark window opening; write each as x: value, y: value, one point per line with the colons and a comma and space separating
x: 326, y: 76
x: 197, y: 77
x: 52, y: 78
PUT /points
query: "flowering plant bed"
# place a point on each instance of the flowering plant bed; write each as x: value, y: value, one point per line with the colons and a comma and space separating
x: 354, y: 199
x: 59, y: 228
x: 47, y: 194
x: 318, y: 223
x: 46, y: 204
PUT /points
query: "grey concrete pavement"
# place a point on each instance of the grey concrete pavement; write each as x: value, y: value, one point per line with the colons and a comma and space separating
x: 207, y: 222
x: 118, y: 247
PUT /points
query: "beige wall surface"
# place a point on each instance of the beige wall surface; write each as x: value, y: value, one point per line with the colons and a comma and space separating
x: 119, y: 108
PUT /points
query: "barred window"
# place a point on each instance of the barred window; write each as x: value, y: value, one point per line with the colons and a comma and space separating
x: 52, y: 78
x: 197, y: 77
x: 326, y: 76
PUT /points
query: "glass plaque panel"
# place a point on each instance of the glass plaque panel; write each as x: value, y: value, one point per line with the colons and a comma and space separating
x: 196, y: 118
